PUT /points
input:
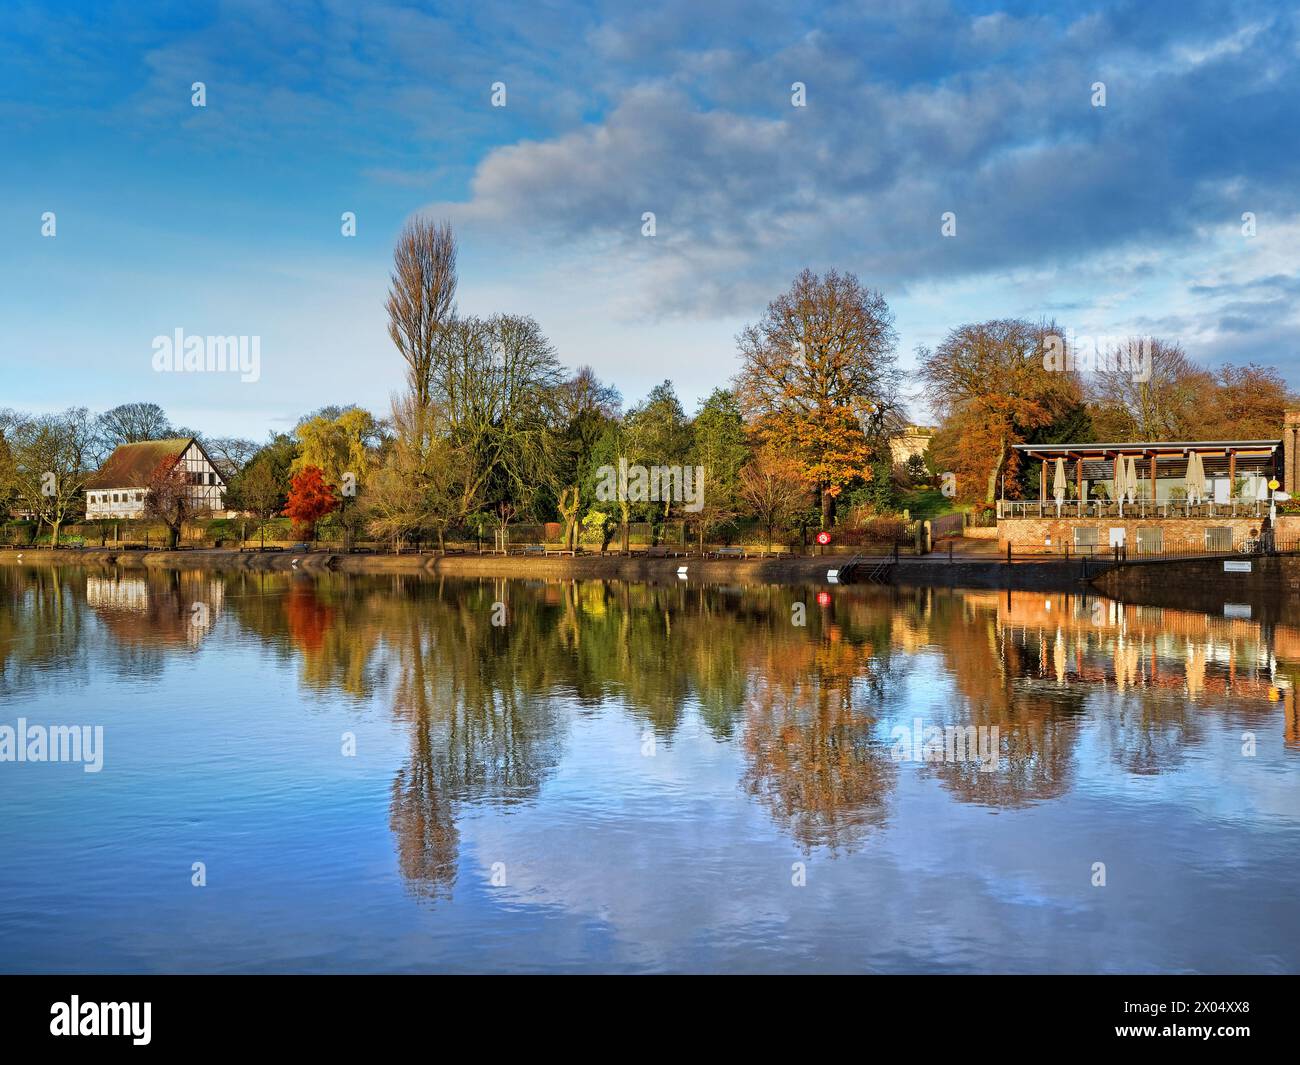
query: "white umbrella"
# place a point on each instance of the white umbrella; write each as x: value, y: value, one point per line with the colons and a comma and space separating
x: 1058, y: 485
x: 1131, y: 480
x: 1261, y: 490
x: 1195, y: 478
x: 1121, y: 488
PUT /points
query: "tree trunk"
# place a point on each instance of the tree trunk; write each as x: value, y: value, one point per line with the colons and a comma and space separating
x: 991, y: 494
x: 54, y: 534
x: 828, y: 508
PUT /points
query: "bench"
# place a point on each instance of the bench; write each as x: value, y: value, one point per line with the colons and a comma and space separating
x: 666, y: 552
x: 729, y: 552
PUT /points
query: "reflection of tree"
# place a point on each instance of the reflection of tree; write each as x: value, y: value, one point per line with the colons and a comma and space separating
x: 1006, y: 678
x: 307, y: 617
x: 42, y: 627
x: 486, y: 707
x: 482, y: 724
x: 422, y: 819
x: 1150, y: 731
x: 808, y: 730
x: 812, y: 764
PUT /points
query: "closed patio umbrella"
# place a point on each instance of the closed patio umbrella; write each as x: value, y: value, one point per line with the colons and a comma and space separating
x: 1121, y: 486
x: 1131, y: 480
x: 1058, y: 485
x: 1261, y: 491
x: 1195, y: 478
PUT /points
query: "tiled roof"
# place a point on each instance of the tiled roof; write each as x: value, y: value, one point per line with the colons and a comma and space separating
x: 131, y: 465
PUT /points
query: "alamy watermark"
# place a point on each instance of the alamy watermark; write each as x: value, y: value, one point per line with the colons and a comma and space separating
x: 654, y: 484
x: 53, y: 743
x: 179, y: 353
x: 951, y: 744
x: 1098, y: 354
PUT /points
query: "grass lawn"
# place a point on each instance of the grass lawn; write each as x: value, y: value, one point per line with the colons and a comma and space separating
x: 929, y: 503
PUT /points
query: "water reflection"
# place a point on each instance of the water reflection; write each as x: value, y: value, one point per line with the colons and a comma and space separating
x: 488, y: 679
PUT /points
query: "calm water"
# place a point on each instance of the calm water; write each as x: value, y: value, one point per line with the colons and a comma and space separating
x: 640, y: 777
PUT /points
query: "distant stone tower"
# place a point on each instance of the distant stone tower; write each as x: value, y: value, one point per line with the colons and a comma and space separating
x: 1291, y: 452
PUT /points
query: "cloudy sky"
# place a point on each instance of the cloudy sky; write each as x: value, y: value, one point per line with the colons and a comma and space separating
x: 225, y: 219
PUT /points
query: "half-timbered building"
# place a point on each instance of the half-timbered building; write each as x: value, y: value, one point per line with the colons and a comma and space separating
x: 118, y: 490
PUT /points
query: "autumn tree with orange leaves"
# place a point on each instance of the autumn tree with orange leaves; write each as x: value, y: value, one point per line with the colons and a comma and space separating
x: 991, y: 385
x: 310, y: 499
x: 819, y: 379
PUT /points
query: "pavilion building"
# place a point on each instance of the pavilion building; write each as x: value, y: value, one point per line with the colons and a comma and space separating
x: 1153, y: 497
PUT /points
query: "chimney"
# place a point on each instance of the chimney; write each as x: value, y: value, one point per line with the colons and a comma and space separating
x: 1291, y: 452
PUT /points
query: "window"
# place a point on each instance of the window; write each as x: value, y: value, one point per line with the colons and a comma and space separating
x: 1085, y: 537
x: 1151, y: 540
x: 1218, y: 538
x: 115, y: 499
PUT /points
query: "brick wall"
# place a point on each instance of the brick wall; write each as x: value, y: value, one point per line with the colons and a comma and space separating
x: 1180, y: 534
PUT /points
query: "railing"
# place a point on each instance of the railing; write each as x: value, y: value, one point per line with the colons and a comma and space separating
x: 1142, y: 508
x: 1238, y: 549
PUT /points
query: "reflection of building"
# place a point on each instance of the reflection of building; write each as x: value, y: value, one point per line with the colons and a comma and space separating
x: 170, y: 610
x: 1148, y: 497
x: 118, y: 489
x: 118, y: 593
x: 1091, y: 641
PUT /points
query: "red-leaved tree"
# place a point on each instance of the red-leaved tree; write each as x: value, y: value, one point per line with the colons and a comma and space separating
x: 169, y: 498
x: 310, y: 499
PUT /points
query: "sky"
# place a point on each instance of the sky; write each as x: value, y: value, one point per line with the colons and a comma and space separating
x: 226, y: 219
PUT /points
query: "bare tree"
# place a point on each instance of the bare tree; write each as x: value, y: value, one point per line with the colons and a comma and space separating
x: 774, y: 487
x: 421, y: 301
x: 169, y: 498
x: 230, y: 454
x: 422, y: 485
x: 1153, y: 391
x: 49, y: 461
x: 494, y: 384
x: 133, y: 423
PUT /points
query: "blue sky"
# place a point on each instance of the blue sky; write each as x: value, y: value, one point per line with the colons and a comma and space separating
x: 226, y: 219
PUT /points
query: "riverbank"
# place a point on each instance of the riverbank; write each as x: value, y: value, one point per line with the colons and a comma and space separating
x: 935, y: 571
